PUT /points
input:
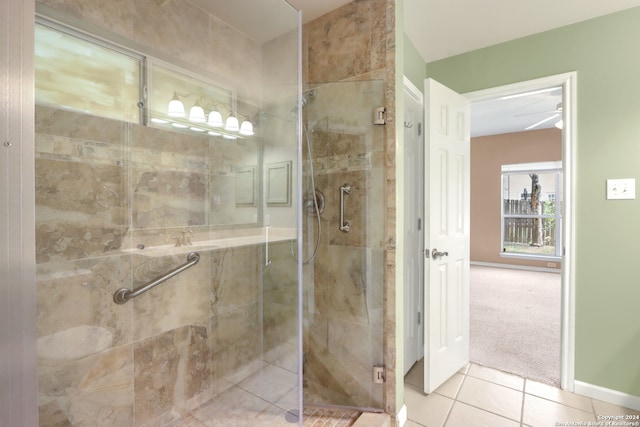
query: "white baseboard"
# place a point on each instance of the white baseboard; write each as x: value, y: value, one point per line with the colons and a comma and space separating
x: 607, y: 395
x: 515, y: 267
x: 402, y: 416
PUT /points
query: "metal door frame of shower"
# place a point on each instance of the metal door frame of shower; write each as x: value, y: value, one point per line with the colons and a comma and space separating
x: 18, y: 361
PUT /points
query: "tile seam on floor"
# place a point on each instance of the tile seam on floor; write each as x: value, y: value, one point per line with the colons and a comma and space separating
x: 455, y: 399
x: 524, y: 395
x: 493, y: 382
x: 490, y: 412
x: 565, y: 405
x: 486, y: 410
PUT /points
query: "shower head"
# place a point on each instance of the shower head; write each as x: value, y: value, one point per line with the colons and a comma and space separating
x: 307, y: 96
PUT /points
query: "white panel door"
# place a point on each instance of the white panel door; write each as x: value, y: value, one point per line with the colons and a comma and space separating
x: 413, y: 260
x: 447, y: 196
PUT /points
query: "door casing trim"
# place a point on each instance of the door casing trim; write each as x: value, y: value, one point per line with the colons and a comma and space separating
x: 568, y: 81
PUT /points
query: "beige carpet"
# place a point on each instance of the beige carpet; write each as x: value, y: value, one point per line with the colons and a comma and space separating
x: 515, y: 322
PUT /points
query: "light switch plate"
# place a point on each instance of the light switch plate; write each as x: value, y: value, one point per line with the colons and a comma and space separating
x: 618, y: 189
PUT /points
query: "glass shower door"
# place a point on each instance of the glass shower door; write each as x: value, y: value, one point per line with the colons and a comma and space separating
x: 154, y: 143
x: 344, y: 281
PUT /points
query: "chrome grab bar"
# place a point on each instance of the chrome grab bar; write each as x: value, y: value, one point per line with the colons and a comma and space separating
x: 344, y: 225
x: 123, y: 295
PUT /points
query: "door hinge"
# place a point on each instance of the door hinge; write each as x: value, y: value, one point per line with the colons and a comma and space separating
x: 419, y: 318
x: 378, y: 374
x: 419, y: 224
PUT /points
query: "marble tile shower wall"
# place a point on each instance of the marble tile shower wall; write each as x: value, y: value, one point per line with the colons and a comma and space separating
x: 164, y: 352
x: 351, y: 322
x: 104, y: 186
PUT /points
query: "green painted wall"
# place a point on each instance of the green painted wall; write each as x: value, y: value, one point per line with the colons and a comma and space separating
x: 605, y: 52
x: 414, y: 66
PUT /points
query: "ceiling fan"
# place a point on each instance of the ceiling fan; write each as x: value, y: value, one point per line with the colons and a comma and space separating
x: 554, y: 114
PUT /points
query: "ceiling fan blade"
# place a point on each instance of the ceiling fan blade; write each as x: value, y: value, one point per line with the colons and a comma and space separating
x: 543, y: 121
x: 558, y: 110
x: 536, y: 112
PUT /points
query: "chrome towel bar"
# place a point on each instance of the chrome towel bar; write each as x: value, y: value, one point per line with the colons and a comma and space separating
x: 344, y: 225
x: 123, y: 295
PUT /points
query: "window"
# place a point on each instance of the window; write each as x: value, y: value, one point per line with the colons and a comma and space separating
x: 77, y: 72
x: 80, y: 72
x: 531, y: 209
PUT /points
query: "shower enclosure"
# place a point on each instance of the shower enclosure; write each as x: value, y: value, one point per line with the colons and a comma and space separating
x: 166, y: 149
x: 209, y: 237
x: 343, y: 146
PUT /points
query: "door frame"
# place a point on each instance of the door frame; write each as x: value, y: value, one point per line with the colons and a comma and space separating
x: 418, y: 95
x: 568, y: 82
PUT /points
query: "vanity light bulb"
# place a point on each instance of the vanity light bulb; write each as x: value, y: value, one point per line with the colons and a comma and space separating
x: 215, y: 119
x: 196, y: 114
x: 246, y: 128
x: 176, y: 108
x: 232, y: 124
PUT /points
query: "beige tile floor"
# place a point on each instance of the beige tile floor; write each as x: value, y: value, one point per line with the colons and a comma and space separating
x: 478, y: 396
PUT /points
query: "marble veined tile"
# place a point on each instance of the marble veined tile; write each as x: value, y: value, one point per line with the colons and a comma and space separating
x: 181, y: 300
x: 167, y: 198
x: 176, y: 28
x: 170, y: 369
x: 96, y: 390
x: 339, y: 43
x: 78, y: 126
x: 114, y: 15
x: 76, y: 313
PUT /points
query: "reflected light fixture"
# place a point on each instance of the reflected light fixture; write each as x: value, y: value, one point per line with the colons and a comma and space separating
x: 176, y: 107
x: 246, y: 128
x: 215, y: 119
x: 196, y: 114
x: 559, y: 124
x: 231, y: 124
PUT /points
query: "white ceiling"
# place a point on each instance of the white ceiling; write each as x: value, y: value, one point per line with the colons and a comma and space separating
x: 443, y: 28
x: 533, y: 111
